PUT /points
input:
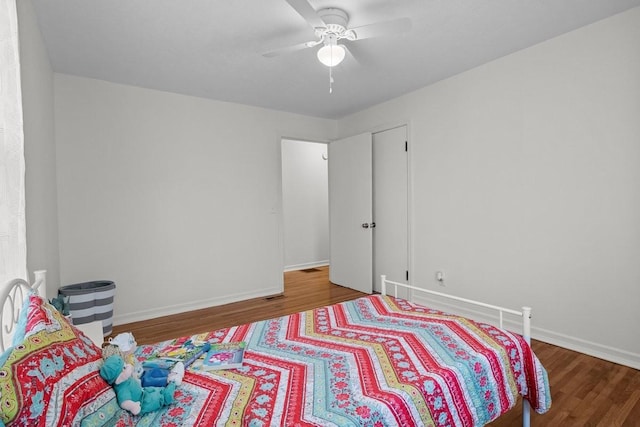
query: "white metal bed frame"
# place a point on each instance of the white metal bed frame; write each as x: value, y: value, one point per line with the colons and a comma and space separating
x: 525, y: 314
x: 12, y: 295
x: 15, y: 291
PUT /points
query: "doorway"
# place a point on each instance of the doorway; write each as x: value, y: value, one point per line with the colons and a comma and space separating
x: 305, y: 204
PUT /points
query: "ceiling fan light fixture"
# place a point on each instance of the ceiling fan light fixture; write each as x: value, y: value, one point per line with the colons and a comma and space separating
x: 331, y: 54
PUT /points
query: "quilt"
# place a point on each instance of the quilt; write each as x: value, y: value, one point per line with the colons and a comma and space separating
x: 373, y: 361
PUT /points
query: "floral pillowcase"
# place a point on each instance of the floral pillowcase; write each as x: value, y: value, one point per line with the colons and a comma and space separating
x: 35, y: 316
x: 50, y: 374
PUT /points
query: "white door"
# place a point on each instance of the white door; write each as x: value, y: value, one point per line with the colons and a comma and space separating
x: 350, y: 213
x: 390, y: 206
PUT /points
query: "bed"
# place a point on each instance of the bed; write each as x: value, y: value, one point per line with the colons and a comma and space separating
x: 379, y: 360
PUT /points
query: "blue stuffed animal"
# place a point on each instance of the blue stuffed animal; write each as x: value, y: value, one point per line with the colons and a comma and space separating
x: 130, y: 394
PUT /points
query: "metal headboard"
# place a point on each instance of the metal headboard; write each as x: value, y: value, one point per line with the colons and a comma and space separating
x: 13, y: 295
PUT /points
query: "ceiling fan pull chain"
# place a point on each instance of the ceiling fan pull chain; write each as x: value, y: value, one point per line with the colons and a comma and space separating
x: 330, y: 80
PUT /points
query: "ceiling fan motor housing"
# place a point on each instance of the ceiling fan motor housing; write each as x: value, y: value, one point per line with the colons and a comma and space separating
x: 336, y: 20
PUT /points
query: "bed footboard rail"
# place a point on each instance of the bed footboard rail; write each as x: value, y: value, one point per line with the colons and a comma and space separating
x: 525, y: 313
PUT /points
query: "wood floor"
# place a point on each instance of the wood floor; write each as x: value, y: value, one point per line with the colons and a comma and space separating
x: 586, y: 391
x: 304, y: 290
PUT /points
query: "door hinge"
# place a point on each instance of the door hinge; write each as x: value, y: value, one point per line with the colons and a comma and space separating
x: 406, y: 146
x: 407, y: 274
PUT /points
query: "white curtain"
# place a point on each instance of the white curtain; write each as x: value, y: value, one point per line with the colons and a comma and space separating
x: 13, y: 246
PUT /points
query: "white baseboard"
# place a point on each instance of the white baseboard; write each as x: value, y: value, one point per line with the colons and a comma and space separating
x: 191, y: 306
x: 304, y: 266
x: 601, y: 351
x: 590, y: 348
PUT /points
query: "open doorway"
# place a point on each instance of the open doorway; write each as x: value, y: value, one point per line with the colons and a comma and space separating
x: 305, y: 204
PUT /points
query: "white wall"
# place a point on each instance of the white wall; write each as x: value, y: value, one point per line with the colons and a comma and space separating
x: 39, y: 147
x: 305, y: 201
x: 525, y: 182
x: 524, y: 186
x: 177, y: 199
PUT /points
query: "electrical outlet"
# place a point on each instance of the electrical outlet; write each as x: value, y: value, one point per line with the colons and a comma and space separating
x: 440, y: 277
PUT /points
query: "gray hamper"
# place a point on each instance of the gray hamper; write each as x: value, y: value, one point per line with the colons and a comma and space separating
x: 91, y: 301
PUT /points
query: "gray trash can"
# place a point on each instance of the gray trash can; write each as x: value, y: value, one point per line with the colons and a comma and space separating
x: 91, y: 301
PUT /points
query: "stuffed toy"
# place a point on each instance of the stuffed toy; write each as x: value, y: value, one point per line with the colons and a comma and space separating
x: 130, y: 394
x: 110, y: 350
x: 154, y: 373
x: 159, y: 374
x: 127, y: 345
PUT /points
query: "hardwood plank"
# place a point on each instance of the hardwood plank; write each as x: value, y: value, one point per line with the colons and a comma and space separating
x: 586, y: 391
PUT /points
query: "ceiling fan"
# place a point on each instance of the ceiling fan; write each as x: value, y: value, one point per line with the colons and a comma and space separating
x: 332, y: 25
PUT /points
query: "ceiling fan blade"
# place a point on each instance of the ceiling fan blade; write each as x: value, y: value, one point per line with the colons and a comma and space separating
x: 307, y: 12
x: 351, y: 53
x: 289, y: 49
x: 386, y: 28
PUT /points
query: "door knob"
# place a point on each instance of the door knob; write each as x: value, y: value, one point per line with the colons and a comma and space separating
x: 365, y: 225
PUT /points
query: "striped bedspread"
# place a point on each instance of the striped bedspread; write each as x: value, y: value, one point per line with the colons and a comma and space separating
x: 374, y: 361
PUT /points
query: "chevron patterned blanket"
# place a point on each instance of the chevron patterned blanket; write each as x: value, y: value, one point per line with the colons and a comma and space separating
x: 374, y: 361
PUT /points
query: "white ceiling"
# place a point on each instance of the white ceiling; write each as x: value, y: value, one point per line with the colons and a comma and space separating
x: 213, y: 48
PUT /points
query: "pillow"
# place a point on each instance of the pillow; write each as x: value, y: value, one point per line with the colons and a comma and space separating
x: 35, y: 315
x: 50, y: 376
